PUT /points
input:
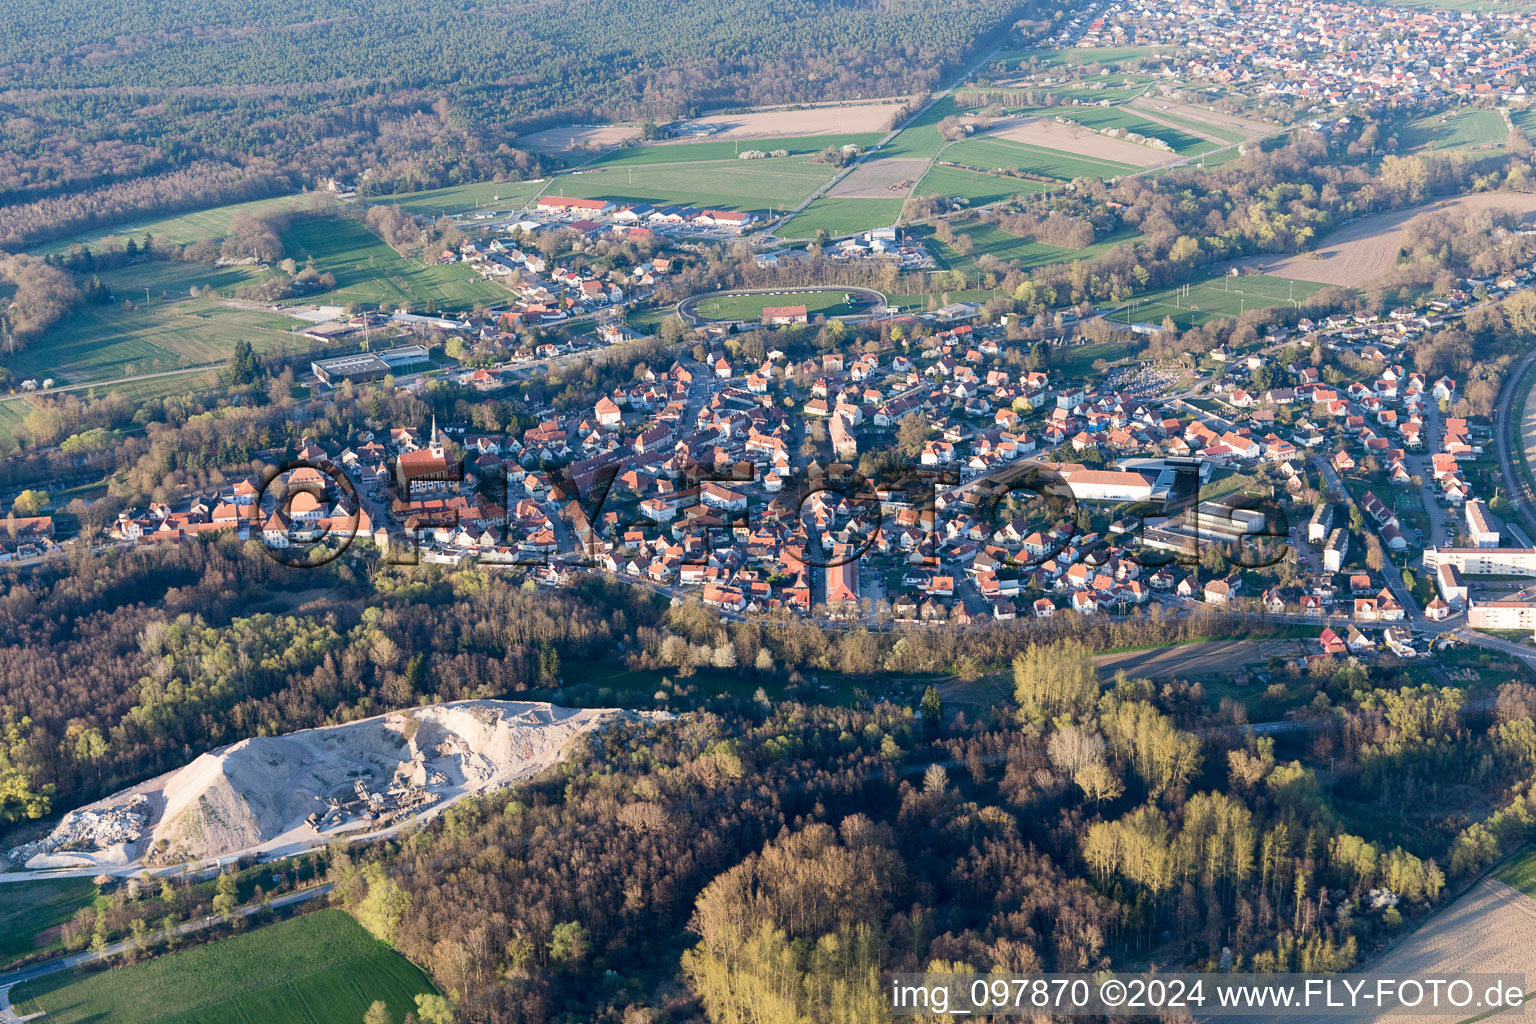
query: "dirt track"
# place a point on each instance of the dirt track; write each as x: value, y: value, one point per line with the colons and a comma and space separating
x: 1364, y: 250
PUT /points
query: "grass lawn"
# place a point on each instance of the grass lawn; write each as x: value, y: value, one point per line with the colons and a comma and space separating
x: 1217, y: 297
x: 180, y: 229
x: 841, y: 216
x: 370, y: 272
x: 169, y: 332
x: 1231, y: 135
x: 1525, y: 120
x: 1459, y: 129
x: 696, y: 152
x: 750, y: 307
x: 727, y: 184
x: 456, y: 199
x: 1076, y: 361
x: 30, y: 908
x: 1520, y: 873
x: 921, y: 137
x: 989, y: 153
x: 321, y: 967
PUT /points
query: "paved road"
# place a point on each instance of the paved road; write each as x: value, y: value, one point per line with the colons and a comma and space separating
x: 8, y: 981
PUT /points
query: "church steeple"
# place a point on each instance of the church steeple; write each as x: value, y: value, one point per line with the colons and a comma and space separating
x: 434, y: 445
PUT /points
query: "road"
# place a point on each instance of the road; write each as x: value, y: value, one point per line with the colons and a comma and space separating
x: 65, y: 963
x: 1415, y: 614
x: 1514, y: 483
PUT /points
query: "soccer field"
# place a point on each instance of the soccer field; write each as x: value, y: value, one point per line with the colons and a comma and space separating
x: 1216, y: 298
x: 750, y: 307
x: 316, y: 969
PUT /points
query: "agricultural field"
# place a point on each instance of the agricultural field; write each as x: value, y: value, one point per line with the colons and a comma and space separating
x: 921, y: 137
x: 988, y: 152
x: 1184, y: 143
x: 823, y: 119
x: 31, y: 909
x: 1461, y: 129
x: 695, y: 152
x: 165, y: 330
x: 1520, y: 873
x: 988, y: 239
x: 1363, y: 250
x: 461, y: 199
x: 1215, y: 298
x: 977, y: 188
x: 1077, y: 56
x: 181, y: 229
x: 840, y: 217
x: 313, y: 969
x: 1525, y: 120
x: 726, y: 184
x: 1192, y: 120
x: 749, y: 307
x: 371, y: 273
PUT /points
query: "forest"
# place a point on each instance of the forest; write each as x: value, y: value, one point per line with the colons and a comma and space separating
x: 120, y: 110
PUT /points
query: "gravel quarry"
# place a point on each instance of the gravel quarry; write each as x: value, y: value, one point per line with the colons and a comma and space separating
x: 274, y: 794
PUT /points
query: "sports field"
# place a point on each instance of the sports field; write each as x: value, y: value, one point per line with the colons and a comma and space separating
x: 166, y: 331
x: 180, y: 229
x: 841, y: 216
x: 750, y: 307
x: 1216, y: 298
x: 321, y: 968
x: 370, y: 272
x: 457, y: 199
x: 1461, y: 129
x: 30, y: 909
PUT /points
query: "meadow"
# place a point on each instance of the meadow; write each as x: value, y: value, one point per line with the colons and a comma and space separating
x: 370, y: 273
x: 977, y: 188
x: 181, y: 229
x: 1184, y: 143
x: 165, y: 330
x: 1462, y: 129
x: 1077, y: 56
x: 694, y: 152
x: 458, y: 199
x: 1215, y: 298
x: 748, y: 307
x: 841, y: 216
x: 726, y: 184
x: 1050, y: 163
x: 988, y: 239
x: 31, y: 908
x: 1520, y: 873
x: 315, y: 969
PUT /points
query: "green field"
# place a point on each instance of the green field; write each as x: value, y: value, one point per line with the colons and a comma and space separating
x: 750, y: 307
x: 977, y: 188
x: 170, y: 331
x: 30, y: 908
x: 180, y: 229
x: 1230, y: 135
x: 921, y: 137
x: 694, y: 152
x: 457, y: 199
x: 1051, y: 163
x: 316, y: 969
x: 1078, y: 56
x: 991, y: 240
x: 371, y: 273
x: 1520, y: 873
x: 1184, y: 143
x: 1461, y: 129
x: 1215, y: 298
x: 841, y: 216
x: 726, y: 184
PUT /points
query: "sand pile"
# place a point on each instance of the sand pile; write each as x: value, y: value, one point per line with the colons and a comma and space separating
x: 275, y: 793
